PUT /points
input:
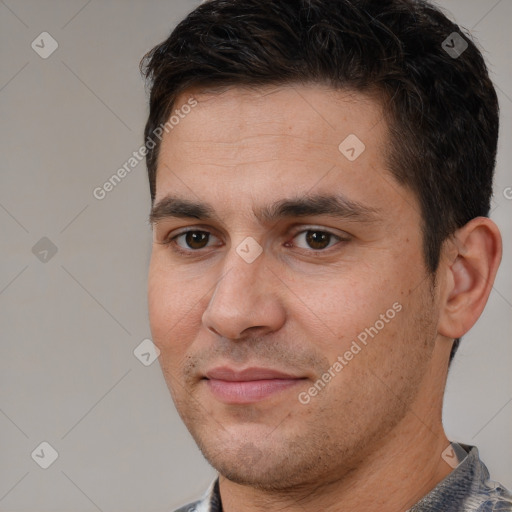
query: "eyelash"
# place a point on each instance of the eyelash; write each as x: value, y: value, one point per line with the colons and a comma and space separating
x: 171, y: 242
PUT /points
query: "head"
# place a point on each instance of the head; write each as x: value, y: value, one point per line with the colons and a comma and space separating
x: 350, y: 116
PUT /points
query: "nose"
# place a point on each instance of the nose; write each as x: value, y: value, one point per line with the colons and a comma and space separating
x: 246, y: 299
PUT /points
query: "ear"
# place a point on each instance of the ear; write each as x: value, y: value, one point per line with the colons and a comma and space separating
x: 469, y: 267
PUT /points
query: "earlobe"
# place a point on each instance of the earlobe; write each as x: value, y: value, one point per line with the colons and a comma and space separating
x: 470, y: 276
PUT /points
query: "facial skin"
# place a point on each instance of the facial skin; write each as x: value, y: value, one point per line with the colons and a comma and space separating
x: 372, y: 437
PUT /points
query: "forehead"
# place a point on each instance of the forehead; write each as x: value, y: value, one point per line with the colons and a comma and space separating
x: 276, y: 141
x: 314, y: 114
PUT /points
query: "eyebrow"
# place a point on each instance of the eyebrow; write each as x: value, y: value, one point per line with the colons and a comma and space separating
x: 337, y: 206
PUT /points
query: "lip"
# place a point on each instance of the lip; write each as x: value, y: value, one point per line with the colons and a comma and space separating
x: 248, y: 374
x: 247, y: 386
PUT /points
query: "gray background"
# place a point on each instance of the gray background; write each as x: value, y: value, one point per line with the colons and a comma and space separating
x: 70, y: 324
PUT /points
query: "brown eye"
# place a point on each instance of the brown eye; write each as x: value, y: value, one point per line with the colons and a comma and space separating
x: 189, y: 243
x: 196, y: 239
x: 316, y: 239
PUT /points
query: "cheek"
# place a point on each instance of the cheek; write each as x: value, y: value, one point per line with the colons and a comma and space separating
x: 158, y: 299
x: 339, y: 309
x: 365, y: 317
x: 169, y: 305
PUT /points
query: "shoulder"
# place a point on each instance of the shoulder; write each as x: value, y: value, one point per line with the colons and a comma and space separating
x: 468, y: 488
x: 209, y: 503
x: 489, y: 496
x: 191, y: 507
x: 485, y: 494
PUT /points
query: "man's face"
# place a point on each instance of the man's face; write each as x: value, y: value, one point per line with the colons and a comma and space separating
x: 247, y: 327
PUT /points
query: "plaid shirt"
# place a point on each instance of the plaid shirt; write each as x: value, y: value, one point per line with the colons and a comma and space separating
x: 466, y: 489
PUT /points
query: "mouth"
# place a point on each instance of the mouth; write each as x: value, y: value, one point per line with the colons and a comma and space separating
x: 250, y: 385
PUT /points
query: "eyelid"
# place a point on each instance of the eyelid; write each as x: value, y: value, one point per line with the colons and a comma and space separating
x: 295, y: 231
x: 312, y: 227
x: 170, y: 240
x: 195, y: 227
x: 339, y: 238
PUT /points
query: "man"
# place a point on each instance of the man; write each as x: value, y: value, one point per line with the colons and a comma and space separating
x: 320, y: 175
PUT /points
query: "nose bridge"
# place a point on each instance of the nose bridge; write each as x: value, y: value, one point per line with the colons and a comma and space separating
x: 237, y: 288
x: 239, y: 300
x: 243, y: 263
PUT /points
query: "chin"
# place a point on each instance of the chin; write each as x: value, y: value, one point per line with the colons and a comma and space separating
x: 275, y: 466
